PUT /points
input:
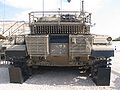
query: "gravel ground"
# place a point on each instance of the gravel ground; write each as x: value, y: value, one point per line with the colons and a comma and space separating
x: 62, y: 80
x: 57, y: 80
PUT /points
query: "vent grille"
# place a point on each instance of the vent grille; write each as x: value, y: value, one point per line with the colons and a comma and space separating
x: 60, y: 29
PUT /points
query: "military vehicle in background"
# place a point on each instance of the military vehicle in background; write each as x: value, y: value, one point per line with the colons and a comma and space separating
x: 62, y: 39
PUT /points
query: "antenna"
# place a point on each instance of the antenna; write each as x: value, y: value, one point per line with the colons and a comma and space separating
x: 82, y: 5
x: 43, y: 8
x: 82, y: 8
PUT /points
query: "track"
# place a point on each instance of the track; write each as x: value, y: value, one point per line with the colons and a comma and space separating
x: 60, y: 79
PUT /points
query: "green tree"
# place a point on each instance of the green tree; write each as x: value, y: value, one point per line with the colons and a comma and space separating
x: 117, y: 39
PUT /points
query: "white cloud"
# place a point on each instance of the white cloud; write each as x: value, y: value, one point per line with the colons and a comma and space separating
x: 37, y: 5
x: 108, y: 23
x: 52, y: 4
x: 105, y: 24
x: 90, y: 5
x: 23, y: 16
x: 31, y: 4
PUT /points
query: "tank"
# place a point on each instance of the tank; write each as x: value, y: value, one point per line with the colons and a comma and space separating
x: 62, y: 39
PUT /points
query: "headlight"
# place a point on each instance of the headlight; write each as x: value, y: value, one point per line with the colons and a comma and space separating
x: 109, y: 39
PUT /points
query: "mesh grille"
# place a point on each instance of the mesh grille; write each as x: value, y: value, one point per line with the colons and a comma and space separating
x: 60, y: 29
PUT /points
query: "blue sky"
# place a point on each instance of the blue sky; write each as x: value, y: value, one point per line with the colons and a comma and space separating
x: 8, y: 12
x: 105, y: 13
